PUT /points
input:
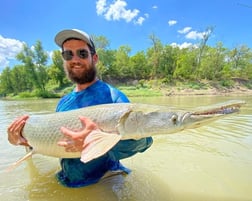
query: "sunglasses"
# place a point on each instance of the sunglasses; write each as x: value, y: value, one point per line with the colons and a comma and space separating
x: 81, y: 53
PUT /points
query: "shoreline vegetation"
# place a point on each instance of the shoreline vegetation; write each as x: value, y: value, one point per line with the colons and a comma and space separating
x: 153, y: 88
x: 160, y: 70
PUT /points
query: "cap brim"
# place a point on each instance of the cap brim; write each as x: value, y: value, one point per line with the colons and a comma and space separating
x: 62, y: 36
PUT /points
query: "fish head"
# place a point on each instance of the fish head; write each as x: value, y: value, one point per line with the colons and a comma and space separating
x: 140, y: 123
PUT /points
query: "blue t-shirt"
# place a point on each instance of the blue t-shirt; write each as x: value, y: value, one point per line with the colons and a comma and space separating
x: 75, y: 173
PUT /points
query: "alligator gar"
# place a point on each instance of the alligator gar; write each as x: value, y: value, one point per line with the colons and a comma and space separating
x: 116, y: 122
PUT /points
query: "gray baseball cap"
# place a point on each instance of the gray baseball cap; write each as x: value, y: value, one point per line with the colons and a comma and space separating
x: 62, y: 36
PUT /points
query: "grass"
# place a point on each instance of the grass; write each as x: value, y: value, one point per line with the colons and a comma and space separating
x: 132, y: 91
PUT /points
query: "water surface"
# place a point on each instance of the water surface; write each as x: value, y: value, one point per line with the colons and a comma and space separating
x: 213, y: 162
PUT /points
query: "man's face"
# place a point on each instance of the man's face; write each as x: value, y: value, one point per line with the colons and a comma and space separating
x: 80, y: 66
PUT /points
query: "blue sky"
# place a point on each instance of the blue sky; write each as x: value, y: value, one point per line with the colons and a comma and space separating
x: 123, y: 22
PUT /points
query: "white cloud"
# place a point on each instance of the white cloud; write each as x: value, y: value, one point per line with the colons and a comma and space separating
x: 8, y: 50
x: 185, y: 30
x: 184, y: 45
x: 139, y: 21
x: 117, y: 11
x: 100, y: 7
x: 195, y: 35
x: 172, y: 22
x: 146, y: 15
x: 154, y: 7
x: 191, y: 34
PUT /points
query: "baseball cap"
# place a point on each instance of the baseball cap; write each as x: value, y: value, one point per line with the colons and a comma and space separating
x: 62, y: 36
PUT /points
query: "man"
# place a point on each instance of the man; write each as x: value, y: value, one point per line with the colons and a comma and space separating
x: 80, y: 58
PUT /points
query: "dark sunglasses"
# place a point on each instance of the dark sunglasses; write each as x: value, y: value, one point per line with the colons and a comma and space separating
x: 81, y: 53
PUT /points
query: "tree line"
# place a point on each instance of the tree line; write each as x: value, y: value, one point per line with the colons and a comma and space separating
x: 160, y: 61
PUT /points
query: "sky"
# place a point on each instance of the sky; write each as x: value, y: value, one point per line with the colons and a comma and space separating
x: 123, y: 22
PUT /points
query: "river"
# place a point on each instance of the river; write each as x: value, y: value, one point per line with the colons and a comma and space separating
x: 213, y: 162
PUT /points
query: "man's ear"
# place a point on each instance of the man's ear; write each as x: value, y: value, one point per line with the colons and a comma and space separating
x: 95, y: 58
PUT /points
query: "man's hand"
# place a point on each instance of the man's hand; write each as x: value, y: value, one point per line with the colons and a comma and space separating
x: 74, y: 140
x: 15, y: 131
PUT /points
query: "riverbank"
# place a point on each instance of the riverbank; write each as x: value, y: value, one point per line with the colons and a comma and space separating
x: 210, y: 91
x: 185, y: 90
x: 152, y: 89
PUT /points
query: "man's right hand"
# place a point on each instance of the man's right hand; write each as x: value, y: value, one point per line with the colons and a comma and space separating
x: 15, y: 131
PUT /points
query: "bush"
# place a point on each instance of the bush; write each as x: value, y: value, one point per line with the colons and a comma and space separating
x: 46, y: 94
x: 227, y: 83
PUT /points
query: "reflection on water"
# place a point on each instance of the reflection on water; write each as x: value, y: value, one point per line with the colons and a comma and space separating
x: 213, y: 162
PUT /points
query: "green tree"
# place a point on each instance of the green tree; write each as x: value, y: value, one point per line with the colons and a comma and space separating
x: 19, y: 79
x: 6, y: 86
x: 167, y: 62
x: 201, y: 48
x: 154, y: 54
x: 212, y: 65
x: 101, y: 42
x: 40, y: 59
x: 122, y: 62
x: 56, y: 71
x: 139, y: 67
x: 185, y: 64
x: 240, y: 60
x: 26, y: 57
x: 106, y: 68
x: 34, y: 60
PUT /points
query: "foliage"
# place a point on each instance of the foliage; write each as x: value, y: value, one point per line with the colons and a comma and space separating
x: 159, y: 65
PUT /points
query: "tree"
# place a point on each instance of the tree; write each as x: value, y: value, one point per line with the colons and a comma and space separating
x: 212, y: 65
x: 167, y: 62
x: 34, y: 61
x: 101, y: 42
x: 185, y: 64
x: 240, y: 60
x: 6, y: 86
x: 26, y: 57
x: 139, y: 67
x: 202, y: 46
x: 105, y: 66
x: 154, y: 54
x: 19, y: 79
x: 56, y: 71
x: 40, y: 60
x: 122, y: 62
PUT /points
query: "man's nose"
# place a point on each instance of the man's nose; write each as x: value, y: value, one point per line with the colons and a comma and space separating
x: 76, y: 57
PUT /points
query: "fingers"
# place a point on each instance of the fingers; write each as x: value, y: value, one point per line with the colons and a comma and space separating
x: 70, y: 145
x: 88, y: 123
x: 88, y: 126
x: 15, y: 131
x: 70, y: 133
x: 74, y: 140
x: 65, y: 142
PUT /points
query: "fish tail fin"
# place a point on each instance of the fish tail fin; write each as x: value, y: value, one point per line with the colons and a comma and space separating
x: 97, y: 143
x: 17, y: 163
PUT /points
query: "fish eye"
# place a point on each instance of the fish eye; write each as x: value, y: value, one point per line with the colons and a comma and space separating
x: 174, y: 119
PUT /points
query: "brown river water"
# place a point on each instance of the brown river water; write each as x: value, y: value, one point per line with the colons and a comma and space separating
x: 211, y: 163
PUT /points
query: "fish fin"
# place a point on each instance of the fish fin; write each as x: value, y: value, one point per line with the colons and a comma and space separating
x: 97, y: 143
x: 17, y: 163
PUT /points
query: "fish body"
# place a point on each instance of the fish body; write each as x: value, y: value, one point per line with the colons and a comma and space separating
x: 116, y: 122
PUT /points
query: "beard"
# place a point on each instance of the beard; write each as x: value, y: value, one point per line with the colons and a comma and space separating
x: 87, y: 75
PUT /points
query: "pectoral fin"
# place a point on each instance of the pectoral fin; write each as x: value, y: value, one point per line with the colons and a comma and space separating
x: 17, y: 163
x: 97, y: 143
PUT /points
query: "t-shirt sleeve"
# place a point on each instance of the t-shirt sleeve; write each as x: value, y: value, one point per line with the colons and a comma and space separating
x: 118, y: 96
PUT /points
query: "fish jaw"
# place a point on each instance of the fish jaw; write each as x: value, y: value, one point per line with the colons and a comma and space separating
x: 204, y: 115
